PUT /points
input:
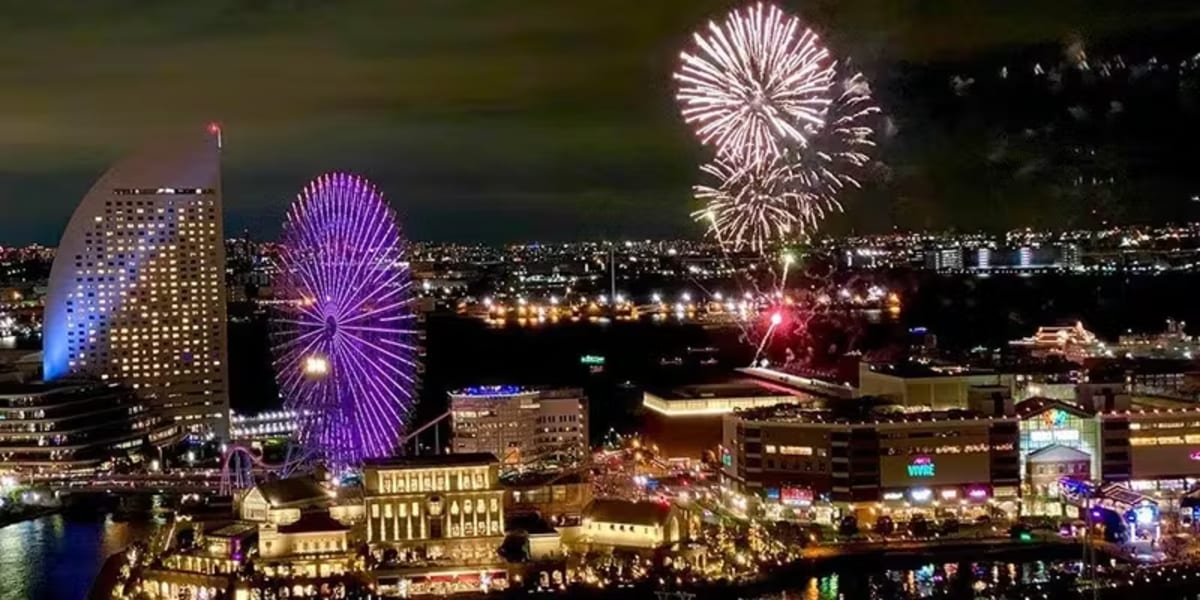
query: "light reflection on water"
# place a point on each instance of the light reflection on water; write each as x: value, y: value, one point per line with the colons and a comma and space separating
x: 927, y: 581
x: 58, y: 558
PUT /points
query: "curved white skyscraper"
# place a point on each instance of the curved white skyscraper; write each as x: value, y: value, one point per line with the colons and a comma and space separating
x: 137, y: 290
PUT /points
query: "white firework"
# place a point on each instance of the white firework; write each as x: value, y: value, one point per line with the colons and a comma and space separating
x: 836, y: 153
x: 755, y: 84
x: 749, y: 206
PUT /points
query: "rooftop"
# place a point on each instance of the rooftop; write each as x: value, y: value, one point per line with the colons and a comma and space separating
x: 1036, y: 406
x: 624, y: 511
x: 733, y: 388
x: 484, y: 391
x: 34, y: 388
x: 433, y: 460
x: 235, y: 529
x: 293, y: 490
x: 312, y: 523
x: 534, y: 479
x: 851, y: 415
x: 913, y: 370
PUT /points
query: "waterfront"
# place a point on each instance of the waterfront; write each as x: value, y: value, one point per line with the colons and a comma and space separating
x: 57, y: 558
x: 54, y: 557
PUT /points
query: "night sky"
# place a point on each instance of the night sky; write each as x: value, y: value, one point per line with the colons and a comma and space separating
x: 499, y: 120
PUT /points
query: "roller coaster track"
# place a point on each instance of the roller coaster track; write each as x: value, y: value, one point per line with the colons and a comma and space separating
x: 240, y: 464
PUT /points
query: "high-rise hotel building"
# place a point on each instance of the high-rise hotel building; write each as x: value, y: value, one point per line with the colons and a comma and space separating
x: 137, y: 289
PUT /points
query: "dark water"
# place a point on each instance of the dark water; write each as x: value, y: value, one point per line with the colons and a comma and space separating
x: 56, y: 558
x: 463, y: 351
x: 968, y: 311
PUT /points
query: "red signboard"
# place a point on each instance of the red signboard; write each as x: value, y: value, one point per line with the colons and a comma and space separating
x: 795, y: 496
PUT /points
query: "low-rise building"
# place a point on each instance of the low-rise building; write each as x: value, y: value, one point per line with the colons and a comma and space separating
x: 520, y: 426
x: 442, y: 519
x: 436, y: 507
x: 266, y: 425
x: 685, y: 421
x: 635, y: 525
x: 283, y: 501
x: 1153, y: 451
x: 208, y: 569
x: 558, y: 497
x: 916, y: 385
x: 316, y: 546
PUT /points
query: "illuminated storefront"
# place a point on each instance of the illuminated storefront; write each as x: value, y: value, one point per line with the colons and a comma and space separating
x: 1058, y: 439
x: 1153, y: 452
x: 949, y: 469
x: 1163, y: 453
x: 802, y: 464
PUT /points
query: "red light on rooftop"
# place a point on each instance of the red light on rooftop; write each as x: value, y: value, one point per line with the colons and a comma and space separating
x: 214, y: 128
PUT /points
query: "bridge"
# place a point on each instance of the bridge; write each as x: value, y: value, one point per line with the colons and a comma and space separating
x: 241, y: 468
x: 181, y: 481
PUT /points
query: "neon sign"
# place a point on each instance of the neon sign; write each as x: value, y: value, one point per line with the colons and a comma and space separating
x: 592, y: 360
x: 1060, y: 435
x: 921, y: 466
x: 1055, y: 418
x: 1195, y: 455
x: 920, y: 494
x: 796, y: 496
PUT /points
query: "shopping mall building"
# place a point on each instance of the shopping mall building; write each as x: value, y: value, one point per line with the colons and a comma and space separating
x: 822, y: 465
x: 1001, y: 459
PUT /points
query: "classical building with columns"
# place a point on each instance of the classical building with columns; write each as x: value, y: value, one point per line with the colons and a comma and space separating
x: 446, y: 508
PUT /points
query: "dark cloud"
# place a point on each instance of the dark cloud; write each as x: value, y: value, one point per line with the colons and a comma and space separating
x: 494, y: 119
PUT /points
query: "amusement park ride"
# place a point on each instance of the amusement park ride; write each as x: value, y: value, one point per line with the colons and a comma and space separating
x: 344, y: 338
x: 243, y: 467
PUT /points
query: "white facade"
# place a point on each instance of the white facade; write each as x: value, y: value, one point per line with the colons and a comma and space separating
x: 634, y: 525
x: 274, y: 543
x: 520, y: 425
x: 137, y: 288
x: 256, y: 508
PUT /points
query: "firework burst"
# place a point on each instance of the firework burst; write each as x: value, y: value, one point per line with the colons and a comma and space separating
x: 836, y: 153
x: 748, y: 206
x: 754, y: 84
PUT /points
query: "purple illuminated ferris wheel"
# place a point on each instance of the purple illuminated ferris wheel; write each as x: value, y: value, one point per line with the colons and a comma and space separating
x: 344, y: 337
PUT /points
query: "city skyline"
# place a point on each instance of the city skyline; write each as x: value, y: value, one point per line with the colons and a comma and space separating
x: 541, y: 126
x: 691, y: 298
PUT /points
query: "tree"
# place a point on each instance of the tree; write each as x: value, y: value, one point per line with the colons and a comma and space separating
x: 515, y: 548
x: 848, y: 526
